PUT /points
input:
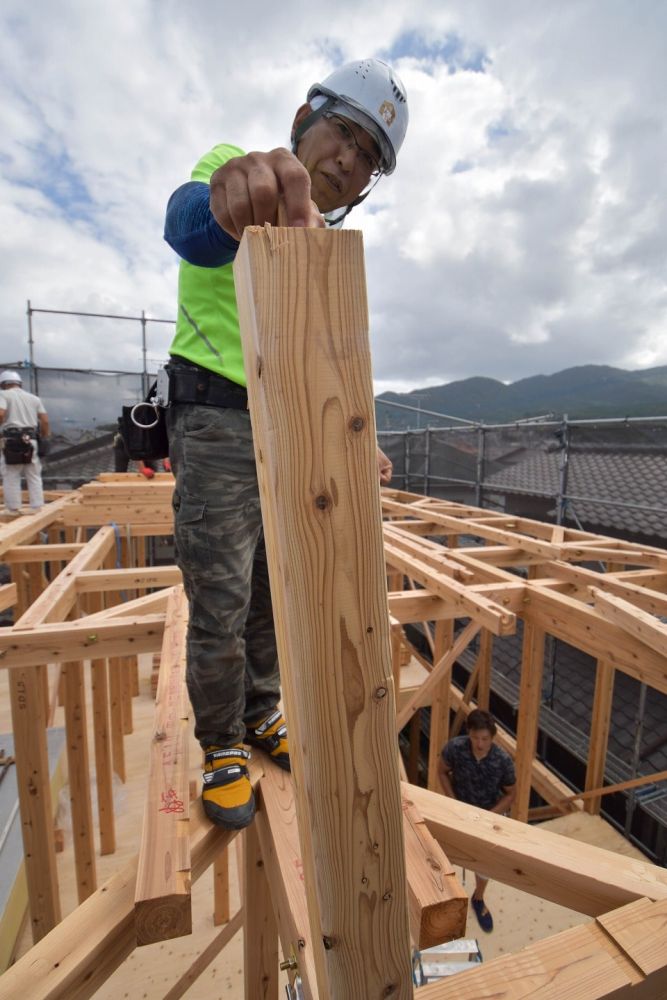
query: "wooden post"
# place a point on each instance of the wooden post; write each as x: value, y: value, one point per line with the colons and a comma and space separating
x: 126, y: 693
x: 485, y: 660
x: 162, y: 899
x: 102, y: 743
x: 304, y: 322
x: 221, y: 909
x: 79, y: 780
x: 415, y: 740
x: 530, y: 699
x: 33, y: 782
x: 260, y: 933
x: 599, y: 734
x: 440, y: 704
x: 116, y: 711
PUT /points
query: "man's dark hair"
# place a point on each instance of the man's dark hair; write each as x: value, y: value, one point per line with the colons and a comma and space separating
x: 479, y: 719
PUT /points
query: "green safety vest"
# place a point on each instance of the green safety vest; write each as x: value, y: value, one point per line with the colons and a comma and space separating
x: 207, y: 328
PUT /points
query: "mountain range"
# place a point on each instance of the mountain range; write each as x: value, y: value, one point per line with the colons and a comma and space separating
x: 588, y: 391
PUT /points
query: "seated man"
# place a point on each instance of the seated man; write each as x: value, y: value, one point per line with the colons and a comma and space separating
x: 474, y: 770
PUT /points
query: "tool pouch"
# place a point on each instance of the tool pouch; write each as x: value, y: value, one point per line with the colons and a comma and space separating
x: 144, y: 429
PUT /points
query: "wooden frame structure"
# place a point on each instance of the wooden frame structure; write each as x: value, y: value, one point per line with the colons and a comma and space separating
x: 369, y: 866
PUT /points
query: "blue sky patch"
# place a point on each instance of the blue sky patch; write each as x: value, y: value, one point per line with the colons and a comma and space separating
x: 452, y: 50
x: 57, y: 179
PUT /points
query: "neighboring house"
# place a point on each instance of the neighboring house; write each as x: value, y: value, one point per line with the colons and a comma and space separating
x: 629, y: 476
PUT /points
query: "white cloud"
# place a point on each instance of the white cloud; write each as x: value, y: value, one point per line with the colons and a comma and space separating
x: 523, y: 232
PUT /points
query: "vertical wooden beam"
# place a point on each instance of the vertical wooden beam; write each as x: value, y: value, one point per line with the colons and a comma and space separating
x: 485, y: 660
x: 304, y: 321
x: 221, y: 888
x: 126, y: 693
x: 33, y: 781
x: 260, y: 932
x: 599, y: 733
x: 102, y: 742
x: 440, y: 704
x: 18, y: 578
x: 530, y: 699
x: 79, y: 780
x: 415, y: 740
x: 116, y: 711
x: 162, y: 906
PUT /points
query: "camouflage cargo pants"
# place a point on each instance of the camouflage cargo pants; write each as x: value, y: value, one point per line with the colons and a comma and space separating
x: 232, y: 668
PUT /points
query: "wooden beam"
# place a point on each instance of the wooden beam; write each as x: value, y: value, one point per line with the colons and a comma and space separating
x: 22, y: 529
x: 640, y: 930
x: 79, y: 780
x: 468, y: 604
x: 42, y: 553
x: 485, y: 661
x: 279, y: 840
x: 440, y: 670
x: 652, y: 601
x: 151, y: 604
x: 578, y: 964
x: 29, y: 719
x: 638, y: 623
x: 440, y: 704
x: 598, y: 738
x: 56, y: 602
x: 438, y: 903
x: 80, y: 640
x: 588, y: 630
x: 34, y: 794
x: 102, y: 743
x: 620, y: 786
x: 308, y: 366
x: 582, y: 877
x: 260, y: 933
x: 418, y: 606
x: 530, y: 699
x: 162, y: 907
x: 76, y: 958
x: 127, y: 579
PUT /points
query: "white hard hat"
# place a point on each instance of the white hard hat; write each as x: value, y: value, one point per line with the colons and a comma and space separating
x: 372, y: 95
x: 10, y: 376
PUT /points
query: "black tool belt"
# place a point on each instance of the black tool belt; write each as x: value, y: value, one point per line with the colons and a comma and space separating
x: 188, y: 383
x: 19, y: 432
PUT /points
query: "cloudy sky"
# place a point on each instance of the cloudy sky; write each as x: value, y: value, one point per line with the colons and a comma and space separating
x: 523, y: 231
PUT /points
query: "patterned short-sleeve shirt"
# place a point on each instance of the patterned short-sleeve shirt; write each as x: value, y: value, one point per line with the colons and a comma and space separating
x: 478, y: 782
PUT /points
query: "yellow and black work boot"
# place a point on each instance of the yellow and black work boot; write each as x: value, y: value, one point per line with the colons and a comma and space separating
x: 270, y: 735
x: 227, y: 796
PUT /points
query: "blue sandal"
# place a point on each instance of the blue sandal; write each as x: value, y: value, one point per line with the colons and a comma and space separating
x: 484, y: 918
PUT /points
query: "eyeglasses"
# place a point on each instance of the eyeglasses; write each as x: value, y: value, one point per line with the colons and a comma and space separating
x: 365, y: 160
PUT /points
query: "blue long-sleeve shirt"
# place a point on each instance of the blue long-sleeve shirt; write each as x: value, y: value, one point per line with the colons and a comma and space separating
x: 191, y: 230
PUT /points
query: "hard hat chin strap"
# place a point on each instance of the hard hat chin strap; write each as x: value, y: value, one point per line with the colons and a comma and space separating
x: 310, y: 120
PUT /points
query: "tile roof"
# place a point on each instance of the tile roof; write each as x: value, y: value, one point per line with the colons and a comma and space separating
x: 630, y: 477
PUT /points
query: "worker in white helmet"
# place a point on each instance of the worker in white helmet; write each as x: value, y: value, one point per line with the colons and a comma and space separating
x: 23, y: 422
x: 345, y: 137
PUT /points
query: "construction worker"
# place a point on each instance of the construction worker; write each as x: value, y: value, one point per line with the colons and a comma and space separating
x: 24, y: 422
x: 474, y: 769
x: 344, y: 138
